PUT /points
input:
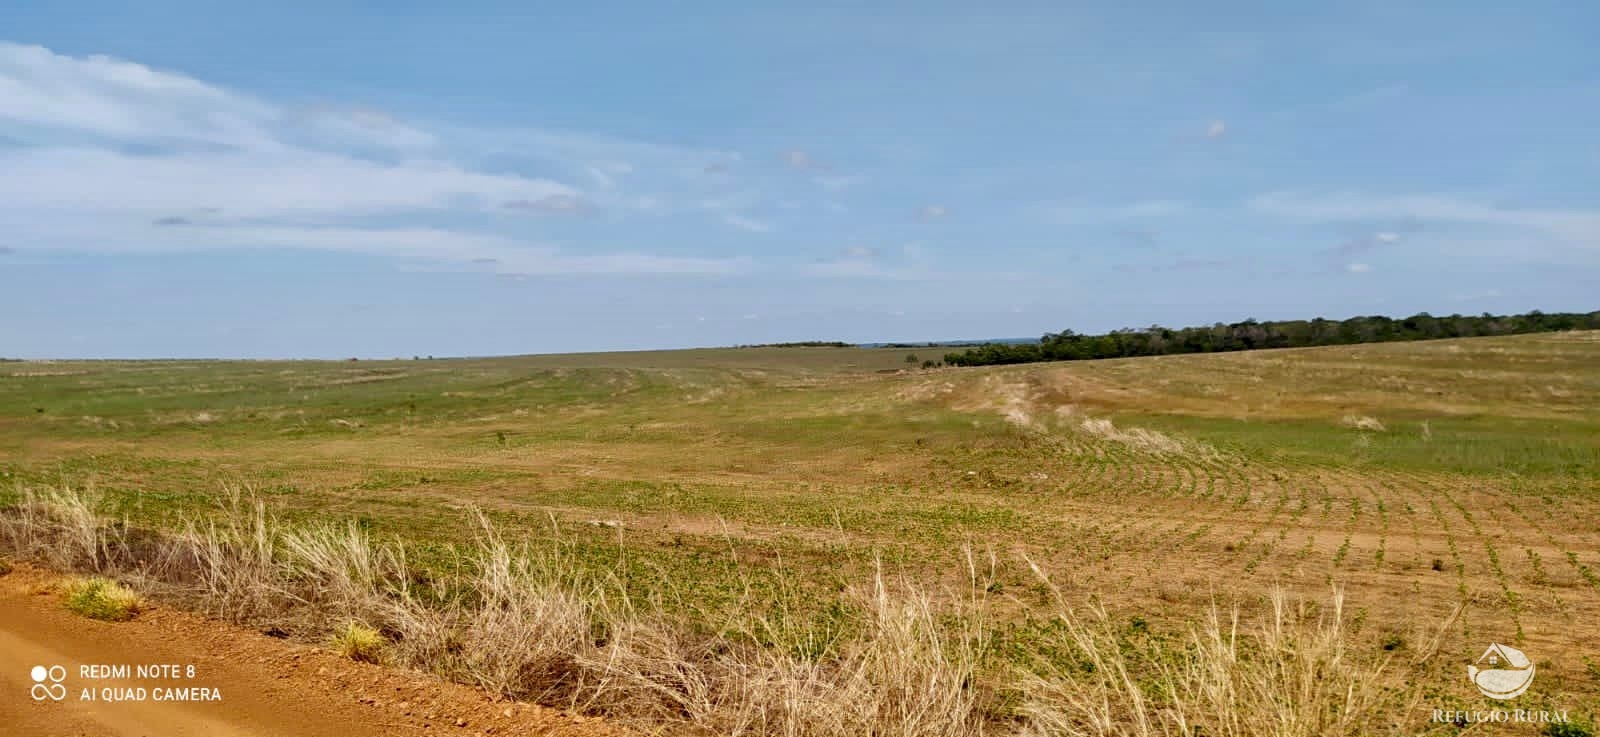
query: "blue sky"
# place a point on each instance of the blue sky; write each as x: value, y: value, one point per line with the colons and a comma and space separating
x: 355, y: 179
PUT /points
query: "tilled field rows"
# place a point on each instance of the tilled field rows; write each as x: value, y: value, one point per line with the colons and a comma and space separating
x: 1524, y: 557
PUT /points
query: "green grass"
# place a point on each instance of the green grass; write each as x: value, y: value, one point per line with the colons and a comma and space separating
x: 760, y: 477
x: 1484, y: 445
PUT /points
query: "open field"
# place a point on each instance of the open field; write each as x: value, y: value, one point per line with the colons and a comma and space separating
x: 1450, y: 484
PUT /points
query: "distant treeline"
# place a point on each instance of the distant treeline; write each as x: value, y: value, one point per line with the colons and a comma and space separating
x: 803, y: 344
x: 947, y: 343
x: 1250, y: 335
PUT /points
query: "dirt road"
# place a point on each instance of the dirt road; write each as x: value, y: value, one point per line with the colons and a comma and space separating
x: 172, y: 674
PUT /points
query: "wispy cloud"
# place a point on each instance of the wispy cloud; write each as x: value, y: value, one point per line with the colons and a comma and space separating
x: 1581, y: 225
x: 251, y: 183
x: 605, y: 174
x: 746, y: 223
x: 933, y: 212
x: 858, y: 268
x: 1182, y: 264
x: 730, y: 201
x: 507, y: 255
x: 352, y: 126
x: 1363, y: 243
x: 554, y: 204
x: 1217, y: 129
x: 102, y: 96
x: 838, y: 183
x: 1077, y: 213
x: 117, y: 155
x: 908, y: 262
x: 1384, y: 96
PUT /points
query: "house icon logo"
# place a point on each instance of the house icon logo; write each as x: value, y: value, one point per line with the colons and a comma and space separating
x: 1503, y: 672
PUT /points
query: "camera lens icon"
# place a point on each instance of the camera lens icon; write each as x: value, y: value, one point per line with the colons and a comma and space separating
x: 47, y: 683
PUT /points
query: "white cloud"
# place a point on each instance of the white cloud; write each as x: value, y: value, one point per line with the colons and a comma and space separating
x: 799, y: 159
x: 219, y: 169
x: 745, y: 223
x: 505, y: 255
x: 223, y: 149
x: 354, y: 127
x: 1358, y: 268
x: 1386, y: 237
x: 933, y: 212
x: 289, y: 182
x: 625, y: 176
x: 1217, y: 129
x: 109, y: 97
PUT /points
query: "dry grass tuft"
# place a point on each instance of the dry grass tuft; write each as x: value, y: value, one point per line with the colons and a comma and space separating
x: 1363, y: 422
x: 1136, y: 438
x: 359, y: 642
x: 905, y: 672
x: 102, y: 599
x: 59, y: 528
x: 519, y: 632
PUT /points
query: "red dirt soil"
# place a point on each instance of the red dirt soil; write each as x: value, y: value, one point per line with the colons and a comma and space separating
x: 268, y: 687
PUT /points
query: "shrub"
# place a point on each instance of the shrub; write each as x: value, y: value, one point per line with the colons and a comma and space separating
x: 102, y: 599
x: 1568, y: 729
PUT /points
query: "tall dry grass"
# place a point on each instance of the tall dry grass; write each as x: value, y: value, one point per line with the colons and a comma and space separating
x: 61, y: 529
x: 1289, y: 672
x: 527, y: 621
